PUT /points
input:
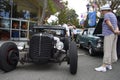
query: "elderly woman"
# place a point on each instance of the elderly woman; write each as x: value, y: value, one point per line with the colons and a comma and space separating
x: 110, y: 31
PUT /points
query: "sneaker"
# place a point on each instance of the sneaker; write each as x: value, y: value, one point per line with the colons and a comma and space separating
x: 101, y: 69
x: 109, y: 67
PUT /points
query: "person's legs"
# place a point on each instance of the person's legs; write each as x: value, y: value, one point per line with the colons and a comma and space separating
x: 114, y: 50
x: 107, y: 54
x: 108, y: 40
x: 75, y: 36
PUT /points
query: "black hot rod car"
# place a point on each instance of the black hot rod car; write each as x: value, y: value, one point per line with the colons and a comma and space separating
x: 48, y: 44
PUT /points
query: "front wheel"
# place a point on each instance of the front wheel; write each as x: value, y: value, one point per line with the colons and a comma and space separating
x: 66, y: 44
x: 91, y: 51
x: 73, y: 57
x: 9, y: 56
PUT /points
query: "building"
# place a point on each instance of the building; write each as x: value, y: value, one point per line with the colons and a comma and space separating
x: 17, y: 17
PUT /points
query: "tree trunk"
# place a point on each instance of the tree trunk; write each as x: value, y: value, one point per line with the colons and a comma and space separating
x: 41, y: 20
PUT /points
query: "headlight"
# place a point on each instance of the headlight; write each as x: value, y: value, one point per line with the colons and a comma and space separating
x: 99, y: 40
x: 98, y: 45
x: 21, y: 45
x: 59, y: 45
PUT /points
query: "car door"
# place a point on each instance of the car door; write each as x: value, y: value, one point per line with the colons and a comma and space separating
x: 83, y: 38
x: 86, y: 37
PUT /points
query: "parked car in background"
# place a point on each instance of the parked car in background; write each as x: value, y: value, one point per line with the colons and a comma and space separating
x: 79, y: 31
x: 92, y: 39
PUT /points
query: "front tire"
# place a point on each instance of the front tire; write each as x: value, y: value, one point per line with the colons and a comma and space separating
x: 91, y: 51
x: 73, y: 57
x: 9, y: 56
x: 66, y: 44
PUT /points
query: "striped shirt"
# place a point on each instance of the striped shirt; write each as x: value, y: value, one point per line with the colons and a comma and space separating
x: 109, y: 16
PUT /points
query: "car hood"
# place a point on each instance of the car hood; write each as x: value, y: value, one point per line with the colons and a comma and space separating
x: 99, y: 35
x: 98, y: 29
x: 94, y: 36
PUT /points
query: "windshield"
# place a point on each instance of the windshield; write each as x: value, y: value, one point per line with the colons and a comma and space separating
x: 91, y: 30
x: 57, y: 32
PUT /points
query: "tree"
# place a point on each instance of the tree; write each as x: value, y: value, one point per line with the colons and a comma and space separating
x: 72, y: 17
x: 43, y: 12
x: 115, y: 4
x: 68, y: 16
x: 62, y: 17
x: 49, y: 7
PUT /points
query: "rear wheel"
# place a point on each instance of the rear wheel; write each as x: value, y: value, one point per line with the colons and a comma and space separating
x: 9, y: 56
x: 73, y: 57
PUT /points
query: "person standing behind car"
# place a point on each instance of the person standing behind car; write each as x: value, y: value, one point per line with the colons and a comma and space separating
x: 110, y: 31
x: 67, y: 29
x: 74, y: 32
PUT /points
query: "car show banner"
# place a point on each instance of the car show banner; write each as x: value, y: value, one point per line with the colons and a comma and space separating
x: 92, y: 19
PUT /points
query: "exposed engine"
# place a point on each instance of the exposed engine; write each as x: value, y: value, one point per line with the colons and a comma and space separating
x: 44, y: 45
x: 59, y: 44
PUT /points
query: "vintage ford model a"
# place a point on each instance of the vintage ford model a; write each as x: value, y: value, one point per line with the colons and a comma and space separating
x: 48, y: 44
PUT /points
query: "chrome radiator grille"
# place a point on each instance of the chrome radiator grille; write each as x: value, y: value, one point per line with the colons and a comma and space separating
x: 41, y: 46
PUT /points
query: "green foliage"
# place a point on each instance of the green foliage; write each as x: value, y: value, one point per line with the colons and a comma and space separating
x: 6, y: 4
x: 62, y: 17
x: 68, y: 16
x: 54, y: 23
x: 51, y: 6
x: 118, y: 13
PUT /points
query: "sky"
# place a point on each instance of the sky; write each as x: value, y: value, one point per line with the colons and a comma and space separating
x: 78, y: 5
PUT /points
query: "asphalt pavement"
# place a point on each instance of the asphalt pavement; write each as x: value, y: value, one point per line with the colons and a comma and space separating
x: 86, y: 65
